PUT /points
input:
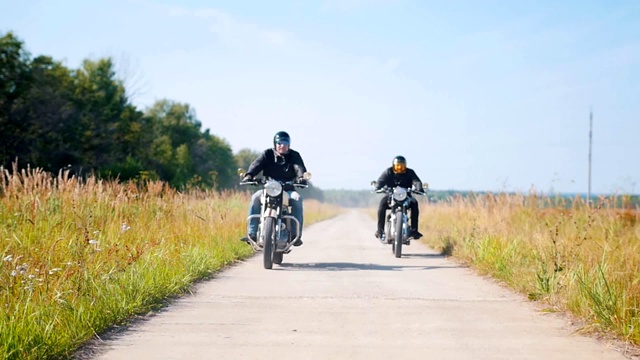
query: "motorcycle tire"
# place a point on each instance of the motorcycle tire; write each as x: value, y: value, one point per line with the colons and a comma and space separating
x: 397, y: 242
x: 268, y: 250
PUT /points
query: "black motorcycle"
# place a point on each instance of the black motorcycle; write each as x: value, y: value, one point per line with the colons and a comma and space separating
x: 397, y: 231
x: 275, y: 237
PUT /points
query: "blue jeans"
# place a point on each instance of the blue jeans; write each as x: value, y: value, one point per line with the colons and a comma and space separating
x: 254, y: 209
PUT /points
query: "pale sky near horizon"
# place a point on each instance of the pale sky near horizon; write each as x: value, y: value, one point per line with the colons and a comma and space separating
x: 477, y: 95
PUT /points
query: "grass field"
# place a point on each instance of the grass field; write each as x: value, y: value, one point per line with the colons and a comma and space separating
x: 80, y: 257
x: 575, y: 258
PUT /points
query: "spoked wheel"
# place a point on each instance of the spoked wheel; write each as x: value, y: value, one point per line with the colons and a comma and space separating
x: 269, y: 239
x: 397, y: 242
x: 391, y: 240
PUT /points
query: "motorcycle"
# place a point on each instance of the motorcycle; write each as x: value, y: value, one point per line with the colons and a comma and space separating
x: 397, y: 231
x: 275, y: 237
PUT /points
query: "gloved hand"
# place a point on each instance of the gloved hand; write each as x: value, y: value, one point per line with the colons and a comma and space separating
x: 302, y: 181
x: 247, y: 178
x: 417, y: 187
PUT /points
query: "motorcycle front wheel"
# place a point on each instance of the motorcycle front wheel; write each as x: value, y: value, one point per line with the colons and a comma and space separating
x: 397, y: 242
x: 269, y: 240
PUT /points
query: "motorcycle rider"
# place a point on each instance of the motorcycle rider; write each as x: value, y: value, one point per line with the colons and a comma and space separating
x: 399, y: 175
x: 279, y: 163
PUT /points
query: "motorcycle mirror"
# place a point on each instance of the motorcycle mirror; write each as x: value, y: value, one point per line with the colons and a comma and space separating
x: 306, y: 176
x: 373, y: 183
x: 425, y: 186
x: 241, y: 172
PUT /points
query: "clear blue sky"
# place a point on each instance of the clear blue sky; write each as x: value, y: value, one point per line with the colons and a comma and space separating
x: 477, y: 95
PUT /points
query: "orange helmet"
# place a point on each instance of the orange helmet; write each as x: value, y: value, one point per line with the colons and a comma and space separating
x: 399, y: 164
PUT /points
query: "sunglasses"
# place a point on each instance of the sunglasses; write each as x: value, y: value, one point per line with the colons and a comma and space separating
x: 283, y: 143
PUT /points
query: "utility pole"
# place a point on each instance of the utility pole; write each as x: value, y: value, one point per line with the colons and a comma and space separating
x: 590, y: 140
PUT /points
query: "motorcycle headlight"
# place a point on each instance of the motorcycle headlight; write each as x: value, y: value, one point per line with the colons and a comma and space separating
x: 399, y: 194
x: 273, y: 188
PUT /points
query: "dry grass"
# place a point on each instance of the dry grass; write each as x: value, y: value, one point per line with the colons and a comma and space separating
x: 577, y: 259
x: 77, y: 257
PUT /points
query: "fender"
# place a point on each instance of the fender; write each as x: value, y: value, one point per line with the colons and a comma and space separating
x: 270, y: 212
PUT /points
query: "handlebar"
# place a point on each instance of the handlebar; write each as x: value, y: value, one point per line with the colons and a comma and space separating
x: 255, y: 182
x: 389, y: 190
x: 262, y: 181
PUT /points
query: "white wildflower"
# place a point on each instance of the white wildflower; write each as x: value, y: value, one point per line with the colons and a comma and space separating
x: 32, y: 276
x: 94, y: 241
x: 22, y: 268
x: 125, y: 227
x: 8, y: 258
x: 14, y: 273
x: 54, y: 270
x: 96, y: 232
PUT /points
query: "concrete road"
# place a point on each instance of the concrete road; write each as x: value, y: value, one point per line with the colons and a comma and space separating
x: 343, y: 295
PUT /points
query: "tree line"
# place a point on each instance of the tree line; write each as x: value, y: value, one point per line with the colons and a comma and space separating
x: 82, y: 120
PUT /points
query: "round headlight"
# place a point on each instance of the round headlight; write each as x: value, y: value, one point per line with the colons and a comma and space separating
x: 399, y: 194
x: 273, y: 188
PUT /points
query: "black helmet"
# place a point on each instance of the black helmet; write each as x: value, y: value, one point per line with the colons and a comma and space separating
x: 399, y: 164
x: 281, y: 137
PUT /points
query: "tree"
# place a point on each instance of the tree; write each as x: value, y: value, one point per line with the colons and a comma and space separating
x: 245, y: 157
x: 101, y: 100
x: 214, y: 162
x: 15, y: 82
x: 204, y: 159
x: 53, y: 116
x: 176, y: 120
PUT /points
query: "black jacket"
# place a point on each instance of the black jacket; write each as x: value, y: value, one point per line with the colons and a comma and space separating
x: 405, y: 180
x: 282, y: 168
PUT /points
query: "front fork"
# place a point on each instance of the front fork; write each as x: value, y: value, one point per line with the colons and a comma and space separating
x: 405, y: 226
x: 391, y: 225
x: 279, y: 227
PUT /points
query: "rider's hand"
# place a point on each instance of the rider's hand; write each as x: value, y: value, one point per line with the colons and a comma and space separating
x: 417, y: 187
x: 302, y: 181
x: 247, y: 178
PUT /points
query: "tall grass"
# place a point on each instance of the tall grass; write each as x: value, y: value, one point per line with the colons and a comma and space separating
x: 77, y: 257
x: 585, y: 260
